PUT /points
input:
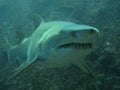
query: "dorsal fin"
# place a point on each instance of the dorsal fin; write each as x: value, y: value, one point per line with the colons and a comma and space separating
x: 37, y: 20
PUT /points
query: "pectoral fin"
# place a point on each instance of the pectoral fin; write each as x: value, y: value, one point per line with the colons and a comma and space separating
x: 23, y: 69
x: 82, y: 65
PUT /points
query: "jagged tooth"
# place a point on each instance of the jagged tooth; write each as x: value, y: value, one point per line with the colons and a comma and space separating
x: 73, y: 45
x: 86, y: 45
x: 90, y: 45
x: 79, y: 46
x: 82, y: 45
x: 76, y: 45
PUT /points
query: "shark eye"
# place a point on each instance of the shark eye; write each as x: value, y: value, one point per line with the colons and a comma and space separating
x: 62, y: 31
x: 92, y: 31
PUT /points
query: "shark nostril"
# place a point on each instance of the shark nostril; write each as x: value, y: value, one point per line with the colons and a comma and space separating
x: 73, y: 34
x: 62, y: 31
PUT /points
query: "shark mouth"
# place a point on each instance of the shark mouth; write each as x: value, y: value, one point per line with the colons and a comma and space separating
x: 76, y: 45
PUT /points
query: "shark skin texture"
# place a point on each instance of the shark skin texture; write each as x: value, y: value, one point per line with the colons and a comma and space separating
x: 54, y: 44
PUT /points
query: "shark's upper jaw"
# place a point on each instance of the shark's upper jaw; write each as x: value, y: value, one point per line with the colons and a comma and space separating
x: 76, y: 45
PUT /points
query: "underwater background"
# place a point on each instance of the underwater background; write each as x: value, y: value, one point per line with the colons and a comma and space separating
x: 17, y: 22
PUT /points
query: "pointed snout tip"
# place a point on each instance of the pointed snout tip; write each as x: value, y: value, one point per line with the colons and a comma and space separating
x: 94, y: 30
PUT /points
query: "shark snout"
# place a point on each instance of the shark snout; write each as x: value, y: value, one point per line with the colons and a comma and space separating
x: 92, y: 31
x: 79, y: 38
x: 84, y: 33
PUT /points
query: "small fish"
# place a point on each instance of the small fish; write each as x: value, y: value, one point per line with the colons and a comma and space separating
x: 55, y: 44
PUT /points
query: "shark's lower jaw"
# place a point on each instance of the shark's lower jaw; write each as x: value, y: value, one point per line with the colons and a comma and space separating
x: 75, y: 45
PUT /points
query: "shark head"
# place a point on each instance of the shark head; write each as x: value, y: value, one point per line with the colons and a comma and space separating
x: 67, y: 42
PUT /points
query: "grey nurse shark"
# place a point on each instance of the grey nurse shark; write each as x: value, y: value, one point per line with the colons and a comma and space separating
x: 55, y: 44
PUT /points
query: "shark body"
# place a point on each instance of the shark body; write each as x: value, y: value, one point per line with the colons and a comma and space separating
x: 55, y: 44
